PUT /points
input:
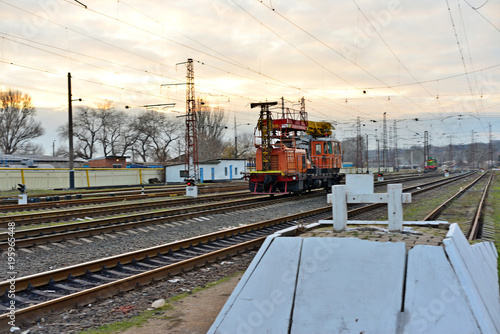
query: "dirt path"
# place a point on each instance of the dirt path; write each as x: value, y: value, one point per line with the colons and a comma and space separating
x: 193, y: 314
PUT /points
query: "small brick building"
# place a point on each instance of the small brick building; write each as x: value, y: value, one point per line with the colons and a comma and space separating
x: 110, y: 161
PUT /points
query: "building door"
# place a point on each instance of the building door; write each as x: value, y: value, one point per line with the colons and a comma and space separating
x: 213, y: 173
x: 201, y: 175
x: 230, y: 172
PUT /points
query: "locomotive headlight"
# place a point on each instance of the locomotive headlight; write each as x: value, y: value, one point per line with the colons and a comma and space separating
x: 294, y: 178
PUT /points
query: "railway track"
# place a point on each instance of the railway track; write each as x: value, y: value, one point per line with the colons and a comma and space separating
x: 84, y: 283
x: 60, y: 213
x: 53, y: 216
x: 38, y: 236
x: 110, y: 196
x: 42, y: 235
x: 473, y: 230
x: 77, y: 193
x: 80, y: 284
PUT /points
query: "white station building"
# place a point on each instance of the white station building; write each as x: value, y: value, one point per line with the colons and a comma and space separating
x: 210, y: 171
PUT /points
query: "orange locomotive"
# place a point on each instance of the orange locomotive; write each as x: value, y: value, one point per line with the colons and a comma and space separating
x: 293, y: 155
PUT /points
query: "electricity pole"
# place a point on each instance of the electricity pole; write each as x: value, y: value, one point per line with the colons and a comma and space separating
x: 490, y: 149
x: 426, y: 147
x: 384, y: 143
x: 70, y: 135
x: 191, y: 152
x: 359, y: 147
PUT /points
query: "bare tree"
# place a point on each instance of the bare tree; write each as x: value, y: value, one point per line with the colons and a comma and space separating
x: 17, y: 123
x: 115, y: 136
x: 211, y: 127
x: 86, y: 127
x: 155, y: 135
x: 246, y: 147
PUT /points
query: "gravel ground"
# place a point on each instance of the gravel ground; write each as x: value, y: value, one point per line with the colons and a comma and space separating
x: 54, y: 256
x: 132, y: 303
x: 58, y: 255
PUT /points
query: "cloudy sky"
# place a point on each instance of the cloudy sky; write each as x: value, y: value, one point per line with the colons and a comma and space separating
x: 438, y: 61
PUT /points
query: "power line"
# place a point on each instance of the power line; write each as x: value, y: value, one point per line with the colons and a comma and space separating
x: 388, y: 47
x: 477, y: 11
x: 462, y: 57
x: 341, y: 55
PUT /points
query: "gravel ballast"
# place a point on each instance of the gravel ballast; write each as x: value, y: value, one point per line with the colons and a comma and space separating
x: 53, y: 256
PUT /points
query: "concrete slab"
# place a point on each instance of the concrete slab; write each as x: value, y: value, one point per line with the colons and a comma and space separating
x: 434, y: 300
x: 349, y: 285
x: 476, y: 281
x: 262, y: 301
x: 343, y: 283
x: 359, y: 184
x: 484, y: 253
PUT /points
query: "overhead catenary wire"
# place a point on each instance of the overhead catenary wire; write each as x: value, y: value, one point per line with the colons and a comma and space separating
x: 225, y: 69
x: 386, y: 85
x: 147, y: 31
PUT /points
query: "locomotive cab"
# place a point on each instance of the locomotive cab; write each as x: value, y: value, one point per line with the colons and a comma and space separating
x: 287, y: 162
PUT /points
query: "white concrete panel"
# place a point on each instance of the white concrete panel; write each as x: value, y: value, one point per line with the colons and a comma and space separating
x: 395, y: 207
x: 493, y: 249
x: 475, y: 280
x: 359, y: 184
x: 349, y: 286
x: 241, y: 284
x: 339, y: 207
x: 434, y: 300
x: 483, y: 255
x: 489, y: 251
x: 367, y: 198
x: 264, y: 303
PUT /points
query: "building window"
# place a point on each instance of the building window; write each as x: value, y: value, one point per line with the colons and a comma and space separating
x: 235, y: 171
x: 225, y: 171
x: 117, y: 165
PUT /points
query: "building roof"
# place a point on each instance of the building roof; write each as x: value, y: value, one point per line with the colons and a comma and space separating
x: 37, y: 158
x: 111, y: 157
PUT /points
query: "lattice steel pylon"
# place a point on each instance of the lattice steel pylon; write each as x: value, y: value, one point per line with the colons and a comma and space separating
x: 359, y: 146
x: 490, y: 149
x: 191, y: 152
x: 426, y: 147
x: 384, y: 143
x: 265, y: 126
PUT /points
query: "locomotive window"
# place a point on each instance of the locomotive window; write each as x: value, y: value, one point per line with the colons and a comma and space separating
x: 318, y: 149
x: 337, y: 148
x: 330, y: 149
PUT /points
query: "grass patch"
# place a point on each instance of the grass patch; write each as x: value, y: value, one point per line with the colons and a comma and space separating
x: 493, y: 201
x: 418, y: 210
x: 159, y: 313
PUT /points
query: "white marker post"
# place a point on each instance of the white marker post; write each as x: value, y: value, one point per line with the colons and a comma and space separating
x: 359, y: 189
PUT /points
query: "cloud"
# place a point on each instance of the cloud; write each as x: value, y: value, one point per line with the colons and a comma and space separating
x: 328, y: 51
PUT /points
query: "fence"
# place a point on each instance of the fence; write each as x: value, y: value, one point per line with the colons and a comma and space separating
x: 44, y: 178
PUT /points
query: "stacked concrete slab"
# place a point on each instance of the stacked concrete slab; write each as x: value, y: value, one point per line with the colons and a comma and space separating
x: 348, y: 285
